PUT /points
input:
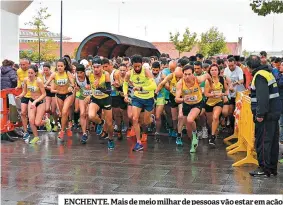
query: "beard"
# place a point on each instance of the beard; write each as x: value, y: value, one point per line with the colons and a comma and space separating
x: 138, y: 72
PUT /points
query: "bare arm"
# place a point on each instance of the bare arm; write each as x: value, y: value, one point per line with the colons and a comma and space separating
x: 52, y: 77
x: 126, y: 83
x: 207, y: 89
x: 178, y: 97
x: 163, y: 82
x: 24, y: 91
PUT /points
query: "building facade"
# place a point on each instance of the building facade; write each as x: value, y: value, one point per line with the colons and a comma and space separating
x: 30, y: 35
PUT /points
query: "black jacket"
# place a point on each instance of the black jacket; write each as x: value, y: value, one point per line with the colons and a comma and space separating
x: 264, y: 107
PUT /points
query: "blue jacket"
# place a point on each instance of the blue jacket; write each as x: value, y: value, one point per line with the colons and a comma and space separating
x: 8, y: 77
x: 279, y: 80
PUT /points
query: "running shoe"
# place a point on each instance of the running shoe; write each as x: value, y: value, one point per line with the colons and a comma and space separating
x: 119, y: 135
x: 26, y: 137
x: 138, y: 147
x: 111, y: 144
x: 48, y: 125
x: 35, y: 140
x: 144, y: 137
x: 55, y: 128
x: 99, y: 127
x: 61, y: 136
x: 204, y: 133
x: 212, y: 140
x: 116, y: 129
x: 129, y: 133
x: 69, y: 132
x: 194, y: 144
x: 84, y: 138
x: 104, y: 135
x: 174, y: 134
x: 179, y: 141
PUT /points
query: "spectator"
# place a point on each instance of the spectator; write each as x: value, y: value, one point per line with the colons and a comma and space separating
x: 8, y: 75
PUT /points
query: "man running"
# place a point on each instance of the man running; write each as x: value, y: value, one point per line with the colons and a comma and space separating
x: 144, y: 87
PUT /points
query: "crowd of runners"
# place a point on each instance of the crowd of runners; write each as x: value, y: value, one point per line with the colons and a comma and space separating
x: 132, y: 97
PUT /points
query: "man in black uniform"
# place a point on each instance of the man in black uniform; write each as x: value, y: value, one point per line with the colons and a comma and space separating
x: 266, y: 107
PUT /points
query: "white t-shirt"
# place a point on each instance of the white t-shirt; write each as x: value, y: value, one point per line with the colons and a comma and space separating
x: 235, y: 76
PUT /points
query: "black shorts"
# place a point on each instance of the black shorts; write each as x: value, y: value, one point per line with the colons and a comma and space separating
x: 209, y: 108
x: 118, y: 102
x: 186, y: 108
x: 63, y: 96
x: 104, y: 103
x: 232, y: 101
x: 38, y: 103
x: 25, y: 100
x: 172, y: 101
x: 49, y: 93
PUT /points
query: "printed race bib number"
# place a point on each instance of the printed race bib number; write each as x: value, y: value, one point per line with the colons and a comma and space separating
x: 62, y: 82
x: 142, y: 92
x: 31, y: 88
x: 191, y: 98
x: 218, y: 93
x: 86, y: 92
x: 98, y: 93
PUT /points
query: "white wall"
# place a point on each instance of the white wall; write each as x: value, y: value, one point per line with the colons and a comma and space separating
x: 9, y: 36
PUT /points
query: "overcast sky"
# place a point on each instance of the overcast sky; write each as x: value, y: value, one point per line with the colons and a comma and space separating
x: 233, y: 17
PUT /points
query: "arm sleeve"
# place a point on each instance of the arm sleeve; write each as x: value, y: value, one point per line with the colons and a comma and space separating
x: 262, y: 95
x: 151, y: 85
x: 125, y: 87
x: 106, y: 90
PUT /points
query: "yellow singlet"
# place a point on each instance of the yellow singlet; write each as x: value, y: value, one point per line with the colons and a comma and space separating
x: 32, y: 87
x: 97, y: 93
x: 217, y: 90
x: 172, y: 85
x: 192, y: 95
x: 21, y: 76
x: 140, y: 80
x: 61, y: 79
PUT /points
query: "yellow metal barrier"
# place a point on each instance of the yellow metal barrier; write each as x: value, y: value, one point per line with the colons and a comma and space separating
x: 244, y: 130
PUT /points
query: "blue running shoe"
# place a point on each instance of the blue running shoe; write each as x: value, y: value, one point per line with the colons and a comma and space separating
x: 138, y: 147
x: 179, y: 141
x: 99, y: 128
x: 111, y: 144
x: 174, y: 134
x: 84, y: 138
x: 26, y: 137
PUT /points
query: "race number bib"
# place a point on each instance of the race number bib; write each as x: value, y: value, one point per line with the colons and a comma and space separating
x: 192, y: 98
x: 143, y: 92
x: 218, y: 93
x: 98, y: 93
x: 62, y: 82
x: 86, y: 92
x: 31, y: 88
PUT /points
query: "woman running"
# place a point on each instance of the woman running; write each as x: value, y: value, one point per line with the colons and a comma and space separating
x: 63, y: 87
x: 83, y: 90
x: 50, y: 100
x: 216, y: 96
x: 36, y: 105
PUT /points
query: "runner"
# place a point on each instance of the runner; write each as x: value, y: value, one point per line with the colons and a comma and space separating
x: 22, y: 73
x: 160, y: 97
x: 144, y: 87
x: 36, y: 104
x: 215, y: 99
x: 50, y: 100
x: 100, y: 99
x: 172, y: 80
x: 63, y: 87
x: 189, y: 93
x: 82, y: 91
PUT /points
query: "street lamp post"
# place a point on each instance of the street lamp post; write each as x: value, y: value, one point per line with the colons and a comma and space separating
x: 119, y: 17
x: 61, y: 30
